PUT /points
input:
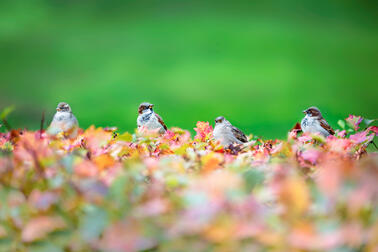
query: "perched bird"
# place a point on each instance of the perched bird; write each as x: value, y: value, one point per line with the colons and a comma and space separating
x: 227, y: 134
x: 149, y: 119
x: 314, y: 122
x: 64, y: 121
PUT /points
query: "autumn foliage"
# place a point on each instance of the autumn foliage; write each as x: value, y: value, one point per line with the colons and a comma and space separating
x: 106, y: 191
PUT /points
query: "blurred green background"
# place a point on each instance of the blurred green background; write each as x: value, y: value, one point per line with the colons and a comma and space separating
x: 258, y: 63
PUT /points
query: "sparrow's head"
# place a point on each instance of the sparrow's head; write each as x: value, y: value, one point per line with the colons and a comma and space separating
x: 313, y: 112
x: 145, y: 106
x: 63, y: 107
x: 219, y: 119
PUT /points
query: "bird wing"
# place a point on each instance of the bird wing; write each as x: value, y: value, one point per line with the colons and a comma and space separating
x: 160, y: 120
x: 74, y: 120
x: 325, y: 125
x: 239, y: 134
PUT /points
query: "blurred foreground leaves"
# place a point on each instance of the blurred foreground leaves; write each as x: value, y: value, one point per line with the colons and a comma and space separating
x: 105, y: 191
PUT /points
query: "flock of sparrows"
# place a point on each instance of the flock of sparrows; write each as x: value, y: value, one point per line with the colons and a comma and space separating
x: 65, y: 122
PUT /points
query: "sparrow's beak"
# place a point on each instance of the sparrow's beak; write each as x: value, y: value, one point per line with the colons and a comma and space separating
x: 151, y: 106
x: 57, y: 109
x: 304, y: 111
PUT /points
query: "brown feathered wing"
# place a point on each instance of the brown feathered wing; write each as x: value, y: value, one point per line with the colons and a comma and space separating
x: 161, y: 121
x: 326, y: 126
x: 239, y: 135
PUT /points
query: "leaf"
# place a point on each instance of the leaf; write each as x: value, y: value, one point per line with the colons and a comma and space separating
x: 220, y: 231
x: 104, y: 161
x: 118, y: 191
x: 127, y: 137
x: 93, y: 223
x: 126, y: 236
x: 253, y: 178
x: 3, y: 232
x: 211, y: 162
x: 374, y: 129
x: 204, y: 131
x: 311, y: 155
x: 38, y: 227
x: 361, y: 137
x: 45, y: 246
x: 341, y: 123
x: 354, y: 121
x: 67, y: 162
x: 42, y: 200
x: 295, y: 195
x: 6, y: 111
x: 368, y: 121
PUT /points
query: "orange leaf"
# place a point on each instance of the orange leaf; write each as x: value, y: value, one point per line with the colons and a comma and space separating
x: 104, y: 161
x: 295, y: 196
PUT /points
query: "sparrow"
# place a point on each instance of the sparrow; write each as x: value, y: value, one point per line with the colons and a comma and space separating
x: 227, y: 134
x: 149, y: 119
x: 64, y: 121
x: 314, y: 122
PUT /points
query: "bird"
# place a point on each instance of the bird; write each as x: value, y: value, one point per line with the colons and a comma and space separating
x: 227, y: 134
x: 149, y: 119
x: 64, y: 121
x: 314, y: 122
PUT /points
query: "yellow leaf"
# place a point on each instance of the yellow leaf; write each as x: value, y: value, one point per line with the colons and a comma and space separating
x: 127, y: 137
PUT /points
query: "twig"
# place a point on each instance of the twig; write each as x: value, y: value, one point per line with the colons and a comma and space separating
x: 7, y: 125
x: 42, y: 122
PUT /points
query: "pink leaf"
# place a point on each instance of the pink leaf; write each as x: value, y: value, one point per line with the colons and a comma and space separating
x: 342, y: 133
x: 354, y: 121
x: 374, y: 129
x: 42, y: 200
x: 361, y: 137
x: 41, y: 226
x: 311, y: 155
x: 204, y: 131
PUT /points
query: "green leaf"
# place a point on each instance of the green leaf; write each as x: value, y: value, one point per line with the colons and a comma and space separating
x: 319, y: 138
x: 67, y: 162
x: 6, y: 111
x: 44, y: 246
x: 118, y: 190
x: 253, y: 178
x: 368, y: 121
x: 173, y: 181
x: 6, y: 244
x: 93, y: 223
x: 341, y: 123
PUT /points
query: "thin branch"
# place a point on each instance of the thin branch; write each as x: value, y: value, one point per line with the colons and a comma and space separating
x: 42, y: 123
x: 7, y: 125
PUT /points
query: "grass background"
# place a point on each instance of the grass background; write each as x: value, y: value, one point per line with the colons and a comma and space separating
x: 258, y: 63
